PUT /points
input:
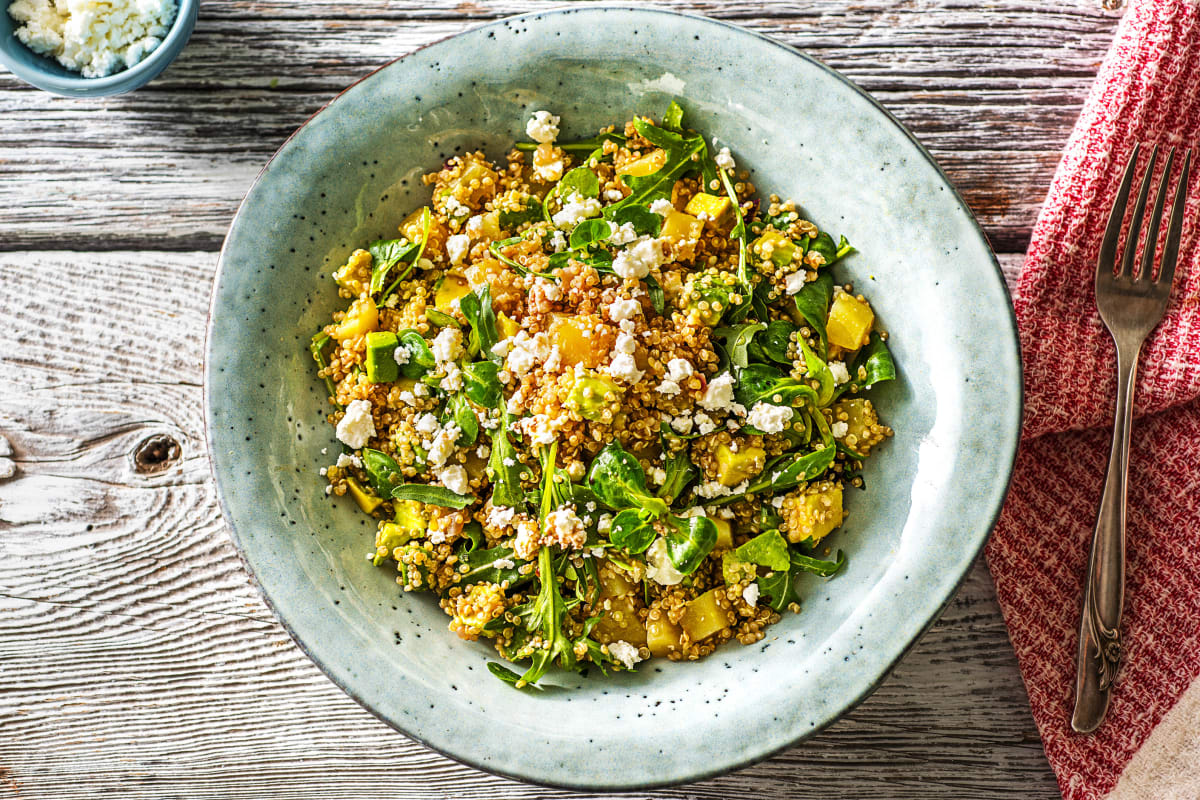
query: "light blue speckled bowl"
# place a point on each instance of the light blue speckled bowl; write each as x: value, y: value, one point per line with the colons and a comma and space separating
x: 349, y: 176
x: 46, y: 73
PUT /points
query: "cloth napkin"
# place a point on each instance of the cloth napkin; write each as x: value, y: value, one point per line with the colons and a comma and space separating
x: 1148, y: 90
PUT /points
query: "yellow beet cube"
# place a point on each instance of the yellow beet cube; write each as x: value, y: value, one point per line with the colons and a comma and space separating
x: 717, y: 209
x: 662, y: 636
x: 733, y: 468
x: 506, y: 326
x: 366, y: 501
x: 850, y: 321
x: 775, y: 246
x: 449, y: 289
x: 567, y: 333
x: 648, y: 164
x: 360, y: 319
x: 613, y: 582
x: 620, y: 622
x: 724, y: 533
x: 680, y: 226
x: 704, y: 616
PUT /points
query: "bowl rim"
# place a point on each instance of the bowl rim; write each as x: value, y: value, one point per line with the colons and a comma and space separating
x: 126, y: 80
x: 885, y: 672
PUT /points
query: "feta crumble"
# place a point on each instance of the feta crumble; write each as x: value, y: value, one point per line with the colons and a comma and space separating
x: 455, y: 479
x: 356, y: 428
x: 659, y: 567
x: 678, y: 371
x: 624, y: 652
x: 724, y: 159
x: 622, y: 234
x: 575, y: 210
x: 719, y: 394
x: 542, y: 127
x: 447, y: 345
x: 794, y: 282
x: 92, y: 37
x: 623, y: 309
x: 457, y: 247
x: 750, y: 594
x: 662, y: 207
x: 839, y: 430
x: 769, y: 418
x: 839, y: 371
x: 637, y: 260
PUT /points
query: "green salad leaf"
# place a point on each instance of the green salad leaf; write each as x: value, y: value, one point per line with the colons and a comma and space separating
x: 631, y: 531
x: 689, y: 542
x: 813, y: 303
x: 481, y: 383
x: 619, y: 482
x: 431, y: 495
x: 504, y: 470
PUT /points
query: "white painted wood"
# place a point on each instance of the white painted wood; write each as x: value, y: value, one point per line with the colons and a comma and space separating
x: 135, y: 658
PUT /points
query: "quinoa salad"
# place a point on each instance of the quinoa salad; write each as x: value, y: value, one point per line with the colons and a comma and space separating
x: 603, y: 402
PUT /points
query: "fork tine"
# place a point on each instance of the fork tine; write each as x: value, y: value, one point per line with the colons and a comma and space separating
x: 1171, y: 248
x: 1135, y: 225
x: 1160, y: 197
x: 1108, y: 249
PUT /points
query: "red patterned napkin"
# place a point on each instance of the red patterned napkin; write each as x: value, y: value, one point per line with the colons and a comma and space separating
x: 1148, y: 91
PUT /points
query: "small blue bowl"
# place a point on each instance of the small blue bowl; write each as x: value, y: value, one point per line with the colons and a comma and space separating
x: 46, y: 73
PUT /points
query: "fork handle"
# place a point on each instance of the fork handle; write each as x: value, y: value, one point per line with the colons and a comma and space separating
x: 1099, y: 653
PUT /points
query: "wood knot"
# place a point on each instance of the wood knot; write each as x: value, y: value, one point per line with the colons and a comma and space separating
x: 156, y: 453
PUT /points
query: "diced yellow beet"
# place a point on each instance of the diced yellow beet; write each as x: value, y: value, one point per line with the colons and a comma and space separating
x: 489, y: 225
x: 620, y: 622
x: 367, y: 502
x: 810, y: 514
x: 775, y: 246
x: 704, y: 616
x: 680, y: 226
x: 361, y: 318
x: 648, y: 164
x: 449, y: 289
x: 506, y: 326
x: 476, y: 183
x: 863, y: 430
x: 850, y: 321
x: 733, y: 468
x: 567, y: 334
x: 613, y: 582
x: 724, y: 533
x: 718, y: 209
x: 662, y: 636
x: 485, y: 271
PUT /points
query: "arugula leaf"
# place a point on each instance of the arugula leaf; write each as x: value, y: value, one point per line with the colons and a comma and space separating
x: 875, y: 361
x: 673, y: 119
x: 658, y: 298
x: 583, y: 145
x: 619, y: 482
x: 545, y: 614
x: 385, y: 255
x: 531, y: 211
x: 581, y: 181
x: 644, y: 221
x: 648, y: 188
x: 680, y: 472
x: 505, y: 674
x: 744, y: 276
x: 382, y: 470
x: 813, y: 303
x: 482, y: 567
x: 803, y: 563
x: 768, y: 549
x: 778, y: 588
x: 504, y: 470
x: 426, y: 222
x: 441, y: 318
x: 780, y: 474
x: 431, y: 495
x: 420, y: 357
x: 477, y: 308
x: 690, y: 541
x: 589, y: 232
x: 316, y: 346
x: 458, y: 410
x: 481, y: 383
x: 631, y: 531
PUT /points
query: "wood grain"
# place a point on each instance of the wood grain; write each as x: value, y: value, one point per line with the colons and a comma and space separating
x: 136, y: 660
x: 991, y: 92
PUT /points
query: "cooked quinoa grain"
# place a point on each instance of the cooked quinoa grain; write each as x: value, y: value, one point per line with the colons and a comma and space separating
x: 601, y: 400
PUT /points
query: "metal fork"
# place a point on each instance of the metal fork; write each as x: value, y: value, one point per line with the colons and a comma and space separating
x: 1131, y: 304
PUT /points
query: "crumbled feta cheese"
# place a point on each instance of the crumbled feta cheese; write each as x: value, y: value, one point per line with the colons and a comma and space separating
x: 408, y: 398
x: 575, y: 210
x: 402, y: 354
x: 457, y: 247
x: 455, y: 479
x: 510, y: 462
x: 504, y: 563
x: 548, y: 171
x: 769, y: 418
x: 624, y: 652
x: 442, y: 446
x: 658, y: 565
x: 528, y: 539
x: 483, y: 451
x: 840, y: 373
x: 658, y: 475
x: 622, y: 234
x: 662, y: 207
x: 710, y: 489
x: 624, y: 368
x: 795, y: 281
x: 345, y: 460
x: 501, y: 347
x: 624, y: 309
x: 704, y: 423
x: 678, y: 371
x: 500, y: 517
x: 475, y: 226
x: 542, y: 127
x: 637, y: 260
x: 839, y: 430
x: 357, y: 427
x: 724, y: 159
x: 614, y: 195
x: 549, y: 289
x: 682, y: 424
x: 565, y: 529
x: 528, y: 352
x: 604, y: 524
x: 625, y: 343
x: 452, y: 381
x: 421, y: 390
x: 719, y: 394
x: 447, y: 345
x: 750, y: 594
x: 558, y: 241
x: 454, y: 206
x: 92, y: 38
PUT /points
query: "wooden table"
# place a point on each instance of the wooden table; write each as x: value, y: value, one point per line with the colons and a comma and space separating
x: 136, y: 659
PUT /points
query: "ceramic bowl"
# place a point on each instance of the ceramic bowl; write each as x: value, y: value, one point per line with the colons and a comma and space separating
x: 933, y: 492
x: 46, y: 73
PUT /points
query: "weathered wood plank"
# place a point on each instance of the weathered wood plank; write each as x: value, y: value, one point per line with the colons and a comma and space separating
x: 137, y: 659
x: 991, y: 91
